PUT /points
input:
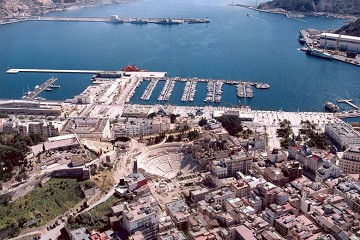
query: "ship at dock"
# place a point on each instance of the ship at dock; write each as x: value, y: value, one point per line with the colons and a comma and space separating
x: 331, y: 107
x: 318, y: 53
x: 168, y: 21
x: 132, y: 68
x: 197, y: 20
x: 139, y: 21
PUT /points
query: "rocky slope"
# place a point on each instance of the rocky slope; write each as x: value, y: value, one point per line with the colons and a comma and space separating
x: 352, y: 29
x: 330, y: 6
x: 23, y: 8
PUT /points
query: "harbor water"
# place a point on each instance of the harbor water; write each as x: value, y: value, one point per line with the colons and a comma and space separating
x: 261, y: 47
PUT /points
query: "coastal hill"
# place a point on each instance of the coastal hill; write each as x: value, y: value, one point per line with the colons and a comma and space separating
x: 351, y: 7
x: 23, y: 8
x: 352, y: 29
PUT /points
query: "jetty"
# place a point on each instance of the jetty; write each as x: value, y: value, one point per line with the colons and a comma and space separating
x: 349, y: 102
x: 30, y: 95
x: 117, y: 19
x: 16, y: 70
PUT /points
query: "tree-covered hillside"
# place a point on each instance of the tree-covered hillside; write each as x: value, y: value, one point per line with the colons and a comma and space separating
x: 330, y: 6
x: 352, y: 29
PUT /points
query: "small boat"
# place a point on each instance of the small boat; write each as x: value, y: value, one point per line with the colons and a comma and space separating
x: 331, y: 107
x: 48, y: 89
x: 54, y: 86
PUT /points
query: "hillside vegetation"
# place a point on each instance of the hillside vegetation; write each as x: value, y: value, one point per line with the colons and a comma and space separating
x: 352, y: 29
x: 329, y: 6
x: 21, y: 8
x: 40, y: 205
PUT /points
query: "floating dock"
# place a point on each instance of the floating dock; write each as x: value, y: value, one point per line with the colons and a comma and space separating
x: 38, y: 89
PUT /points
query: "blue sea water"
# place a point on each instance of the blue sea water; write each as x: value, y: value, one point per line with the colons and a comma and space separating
x: 259, y: 48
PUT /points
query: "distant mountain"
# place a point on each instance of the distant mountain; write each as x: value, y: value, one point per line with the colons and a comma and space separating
x: 352, y: 29
x: 330, y: 6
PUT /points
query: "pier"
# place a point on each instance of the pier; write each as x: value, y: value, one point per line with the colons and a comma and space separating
x: 189, y: 90
x: 30, y: 95
x: 167, y: 90
x: 244, y: 90
x: 214, y: 91
x: 15, y: 71
x: 349, y: 101
x: 149, y: 89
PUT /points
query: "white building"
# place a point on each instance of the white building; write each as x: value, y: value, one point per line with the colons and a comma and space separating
x: 341, y: 42
x: 343, y: 134
x: 160, y: 124
x: 142, y: 216
x: 228, y: 167
x: 350, y: 161
x: 42, y: 127
x: 133, y: 127
x: 213, y: 124
x: 88, y: 127
x: 328, y: 170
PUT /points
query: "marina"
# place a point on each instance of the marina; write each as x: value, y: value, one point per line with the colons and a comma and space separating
x: 46, y: 86
x: 214, y: 88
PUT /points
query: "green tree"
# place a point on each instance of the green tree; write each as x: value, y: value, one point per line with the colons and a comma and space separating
x: 231, y: 123
x: 202, y: 122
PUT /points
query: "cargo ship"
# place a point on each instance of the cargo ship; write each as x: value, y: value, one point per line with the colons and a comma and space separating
x: 331, y: 107
x: 318, y: 53
x: 132, y: 68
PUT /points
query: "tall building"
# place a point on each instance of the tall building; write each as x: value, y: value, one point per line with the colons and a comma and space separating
x: 142, y: 216
x: 42, y: 127
x: 342, y: 134
x: 350, y: 161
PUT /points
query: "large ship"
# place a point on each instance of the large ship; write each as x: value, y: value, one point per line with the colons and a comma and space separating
x: 318, y: 53
x: 132, y: 68
x: 331, y: 107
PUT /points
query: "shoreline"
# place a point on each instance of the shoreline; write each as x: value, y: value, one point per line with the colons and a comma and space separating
x: 289, y: 14
x: 57, y: 8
